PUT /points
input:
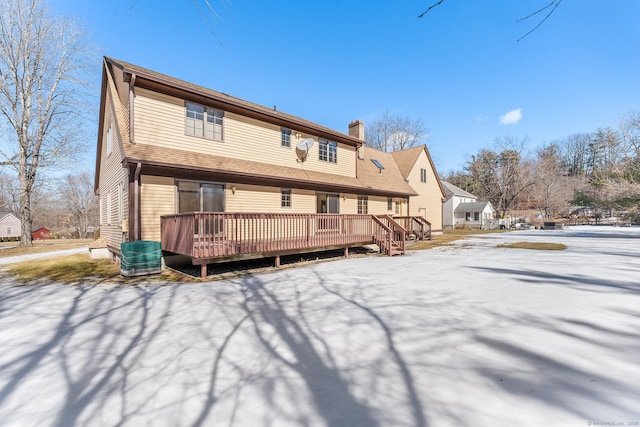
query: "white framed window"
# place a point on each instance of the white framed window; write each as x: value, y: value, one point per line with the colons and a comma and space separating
x: 204, y: 122
x: 285, y: 137
x: 9, y: 231
x: 327, y: 151
x: 397, y: 208
x: 389, y: 204
x: 109, y: 140
x: 363, y: 204
x: 285, y: 197
x: 423, y: 175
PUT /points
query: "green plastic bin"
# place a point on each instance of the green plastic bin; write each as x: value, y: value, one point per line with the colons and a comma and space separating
x: 140, y: 258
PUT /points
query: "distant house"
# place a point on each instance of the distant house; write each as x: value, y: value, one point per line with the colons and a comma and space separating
x: 10, y: 227
x: 463, y: 208
x: 41, y: 234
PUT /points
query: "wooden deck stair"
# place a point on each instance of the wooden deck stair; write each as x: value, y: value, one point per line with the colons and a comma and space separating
x: 391, y: 236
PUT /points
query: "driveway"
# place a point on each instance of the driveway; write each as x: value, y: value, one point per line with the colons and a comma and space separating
x: 42, y: 255
x: 463, y: 335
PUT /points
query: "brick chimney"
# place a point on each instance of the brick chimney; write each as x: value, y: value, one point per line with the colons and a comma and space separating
x: 356, y: 129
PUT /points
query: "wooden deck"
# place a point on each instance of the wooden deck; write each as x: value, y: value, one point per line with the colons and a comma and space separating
x: 208, y: 237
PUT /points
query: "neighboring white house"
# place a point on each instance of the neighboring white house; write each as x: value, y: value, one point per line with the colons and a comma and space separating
x: 462, y: 208
x: 10, y: 227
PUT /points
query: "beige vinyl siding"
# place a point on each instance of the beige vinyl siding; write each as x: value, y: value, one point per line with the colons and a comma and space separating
x: 378, y: 205
x: 348, y: 204
x: 157, y: 198
x: 430, y: 196
x: 160, y: 120
x: 112, y: 178
x: 254, y: 198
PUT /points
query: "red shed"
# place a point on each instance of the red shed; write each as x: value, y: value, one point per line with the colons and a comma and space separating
x: 41, y: 234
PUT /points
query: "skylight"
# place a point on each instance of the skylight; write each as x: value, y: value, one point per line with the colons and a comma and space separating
x: 377, y: 163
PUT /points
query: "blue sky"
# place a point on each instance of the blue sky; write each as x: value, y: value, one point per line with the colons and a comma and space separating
x: 459, y: 68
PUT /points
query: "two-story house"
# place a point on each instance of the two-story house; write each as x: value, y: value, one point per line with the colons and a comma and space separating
x: 462, y: 208
x: 215, y: 177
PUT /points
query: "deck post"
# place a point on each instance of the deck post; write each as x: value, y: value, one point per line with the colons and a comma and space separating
x: 277, y: 261
x: 346, y: 252
x: 203, y: 271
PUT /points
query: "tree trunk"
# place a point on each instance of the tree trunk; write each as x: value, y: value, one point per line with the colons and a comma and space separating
x: 26, y: 217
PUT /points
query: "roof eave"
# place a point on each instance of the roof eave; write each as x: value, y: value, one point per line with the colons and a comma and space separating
x: 157, y: 83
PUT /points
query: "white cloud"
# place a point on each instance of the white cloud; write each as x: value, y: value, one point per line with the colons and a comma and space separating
x: 512, y: 117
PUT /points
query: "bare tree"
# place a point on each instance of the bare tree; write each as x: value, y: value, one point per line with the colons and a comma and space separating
x: 80, y: 202
x: 8, y: 194
x: 42, y: 64
x: 395, y: 132
x: 553, y: 189
x: 502, y: 175
x: 574, y: 151
x: 550, y: 8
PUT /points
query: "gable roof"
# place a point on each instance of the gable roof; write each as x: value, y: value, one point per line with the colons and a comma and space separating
x: 389, y: 178
x: 452, y: 190
x: 472, y: 207
x: 3, y: 215
x: 406, y: 160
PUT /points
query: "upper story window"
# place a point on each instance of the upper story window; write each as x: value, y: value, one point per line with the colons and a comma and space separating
x: 423, y: 175
x: 204, y: 122
x: 328, y: 151
x: 285, y: 137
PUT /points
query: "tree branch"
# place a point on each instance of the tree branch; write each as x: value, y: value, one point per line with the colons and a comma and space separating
x: 554, y: 3
x: 431, y: 7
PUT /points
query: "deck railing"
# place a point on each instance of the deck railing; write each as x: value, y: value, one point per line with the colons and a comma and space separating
x: 395, y: 235
x: 210, y: 235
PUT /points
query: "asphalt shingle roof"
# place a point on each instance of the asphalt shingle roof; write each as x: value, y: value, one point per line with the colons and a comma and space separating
x: 452, y: 190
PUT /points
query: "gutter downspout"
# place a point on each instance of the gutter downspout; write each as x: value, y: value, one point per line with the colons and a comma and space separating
x: 136, y: 202
x: 132, y: 82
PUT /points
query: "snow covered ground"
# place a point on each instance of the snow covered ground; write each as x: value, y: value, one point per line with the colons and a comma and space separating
x: 469, y: 335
